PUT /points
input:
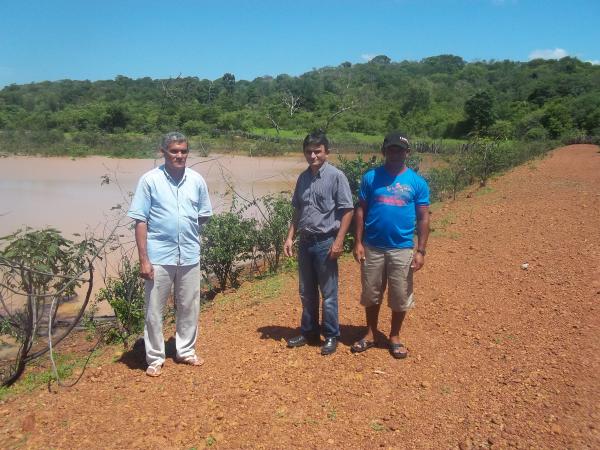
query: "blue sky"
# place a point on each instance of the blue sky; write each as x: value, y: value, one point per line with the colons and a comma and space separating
x: 88, y: 39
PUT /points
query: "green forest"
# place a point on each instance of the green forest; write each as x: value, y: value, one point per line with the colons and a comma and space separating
x: 440, y: 97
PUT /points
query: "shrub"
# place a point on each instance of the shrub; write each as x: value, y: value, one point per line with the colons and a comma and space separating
x: 354, y: 169
x: 125, y: 295
x: 264, y: 147
x: 445, y: 182
x: 277, y: 211
x: 484, y: 157
x: 42, y: 267
x: 226, y: 242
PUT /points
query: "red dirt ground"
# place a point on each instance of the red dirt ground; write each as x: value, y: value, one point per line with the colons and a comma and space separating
x: 500, y: 356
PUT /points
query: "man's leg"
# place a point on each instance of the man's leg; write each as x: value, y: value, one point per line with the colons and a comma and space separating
x: 187, y: 296
x: 373, y: 281
x: 372, y: 316
x: 309, y: 293
x: 157, y: 292
x: 397, y: 319
x: 400, y: 295
x: 327, y: 276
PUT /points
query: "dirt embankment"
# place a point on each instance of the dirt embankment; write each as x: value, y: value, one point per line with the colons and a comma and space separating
x: 503, y: 347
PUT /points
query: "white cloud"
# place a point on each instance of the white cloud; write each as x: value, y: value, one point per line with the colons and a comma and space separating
x: 595, y: 62
x: 556, y: 53
x: 367, y: 57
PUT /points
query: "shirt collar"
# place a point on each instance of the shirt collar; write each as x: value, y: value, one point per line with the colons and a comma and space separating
x: 170, y: 178
x: 320, y: 171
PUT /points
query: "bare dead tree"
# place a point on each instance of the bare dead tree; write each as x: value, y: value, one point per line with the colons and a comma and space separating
x: 332, y: 117
x: 169, y: 89
x: 176, y: 90
x: 210, y: 88
x: 273, y: 122
x: 292, y: 102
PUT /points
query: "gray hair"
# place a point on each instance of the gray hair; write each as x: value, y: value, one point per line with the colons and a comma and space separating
x: 172, y: 136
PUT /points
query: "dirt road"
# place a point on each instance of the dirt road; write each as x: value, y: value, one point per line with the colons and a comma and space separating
x: 504, y: 347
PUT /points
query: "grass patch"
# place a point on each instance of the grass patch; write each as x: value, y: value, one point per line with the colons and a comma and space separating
x: 332, y: 414
x: 40, y: 373
x: 440, y: 227
x: 258, y: 290
x: 483, y: 191
x: 377, y: 426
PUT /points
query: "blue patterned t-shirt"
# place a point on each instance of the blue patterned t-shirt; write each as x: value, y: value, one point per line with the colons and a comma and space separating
x: 390, y: 203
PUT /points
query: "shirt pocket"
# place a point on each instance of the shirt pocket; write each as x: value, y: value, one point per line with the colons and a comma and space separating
x: 190, y: 209
x: 324, y: 202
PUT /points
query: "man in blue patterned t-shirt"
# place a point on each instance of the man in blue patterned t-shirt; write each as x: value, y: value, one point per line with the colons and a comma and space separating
x: 392, y: 200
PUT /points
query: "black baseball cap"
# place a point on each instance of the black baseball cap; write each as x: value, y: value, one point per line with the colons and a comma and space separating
x: 396, y: 139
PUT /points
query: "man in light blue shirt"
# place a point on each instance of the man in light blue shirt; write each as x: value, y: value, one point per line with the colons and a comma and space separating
x: 170, y: 204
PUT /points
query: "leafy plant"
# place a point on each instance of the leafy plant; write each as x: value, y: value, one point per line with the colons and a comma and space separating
x: 41, y: 267
x: 445, y: 182
x: 484, y: 157
x: 276, y: 213
x: 226, y: 242
x: 125, y: 295
x: 355, y: 168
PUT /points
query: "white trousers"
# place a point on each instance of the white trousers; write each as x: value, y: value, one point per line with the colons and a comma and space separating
x: 186, y: 281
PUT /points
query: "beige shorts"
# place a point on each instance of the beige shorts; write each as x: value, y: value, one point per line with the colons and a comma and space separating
x: 389, y: 268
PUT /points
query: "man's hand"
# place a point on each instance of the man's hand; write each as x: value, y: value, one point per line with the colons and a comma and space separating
x: 418, y: 261
x: 336, y: 249
x: 359, y: 252
x: 288, y: 248
x: 146, y: 270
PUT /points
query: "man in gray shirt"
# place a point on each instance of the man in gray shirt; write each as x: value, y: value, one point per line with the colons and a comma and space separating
x: 322, y: 214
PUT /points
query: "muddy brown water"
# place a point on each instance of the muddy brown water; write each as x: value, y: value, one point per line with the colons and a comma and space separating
x: 68, y: 194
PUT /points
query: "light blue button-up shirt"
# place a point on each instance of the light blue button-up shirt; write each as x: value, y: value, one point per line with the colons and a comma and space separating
x: 171, y: 211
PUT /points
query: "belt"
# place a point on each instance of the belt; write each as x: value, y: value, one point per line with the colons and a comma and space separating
x: 317, y: 237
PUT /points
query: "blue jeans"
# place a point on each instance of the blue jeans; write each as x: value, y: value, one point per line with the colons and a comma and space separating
x: 318, y: 273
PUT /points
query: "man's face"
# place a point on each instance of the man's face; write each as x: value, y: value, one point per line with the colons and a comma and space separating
x: 176, y: 155
x: 395, y: 155
x: 315, y: 155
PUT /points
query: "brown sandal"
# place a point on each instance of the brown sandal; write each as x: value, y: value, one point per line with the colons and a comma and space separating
x: 361, y: 346
x: 398, y: 351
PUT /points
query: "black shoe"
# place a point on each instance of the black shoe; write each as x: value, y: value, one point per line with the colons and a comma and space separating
x: 330, y: 346
x: 297, y: 341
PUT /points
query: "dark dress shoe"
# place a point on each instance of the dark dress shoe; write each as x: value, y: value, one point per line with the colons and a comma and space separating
x: 297, y: 341
x: 330, y: 346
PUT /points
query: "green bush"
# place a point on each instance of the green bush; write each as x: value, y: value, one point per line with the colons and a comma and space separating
x: 227, y: 241
x: 263, y: 147
x: 445, y: 182
x: 354, y: 169
x: 484, y: 157
x: 125, y: 295
x: 277, y: 214
x: 37, y: 268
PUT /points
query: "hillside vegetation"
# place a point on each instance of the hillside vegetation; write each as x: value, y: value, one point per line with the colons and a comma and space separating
x: 440, y: 97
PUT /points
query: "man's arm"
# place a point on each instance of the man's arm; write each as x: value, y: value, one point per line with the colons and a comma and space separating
x: 359, y: 228
x: 288, y: 245
x: 422, y: 236
x: 141, y: 239
x: 338, y: 245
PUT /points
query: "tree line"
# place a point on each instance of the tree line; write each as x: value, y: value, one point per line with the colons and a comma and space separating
x: 440, y: 97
